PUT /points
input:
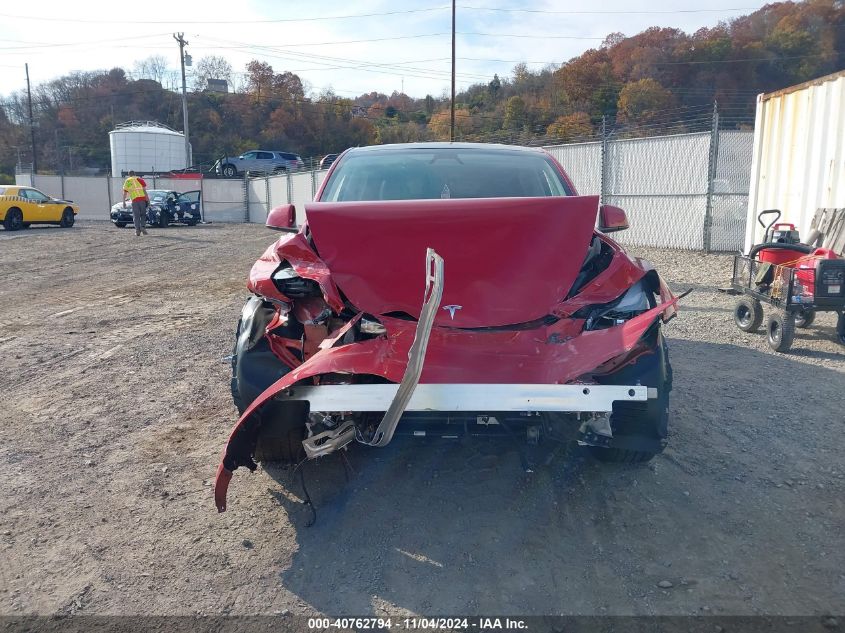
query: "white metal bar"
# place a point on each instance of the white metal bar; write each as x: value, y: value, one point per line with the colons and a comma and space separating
x: 416, y: 355
x: 473, y: 397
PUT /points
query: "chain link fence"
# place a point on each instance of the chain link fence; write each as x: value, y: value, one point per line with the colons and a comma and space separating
x: 685, y: 191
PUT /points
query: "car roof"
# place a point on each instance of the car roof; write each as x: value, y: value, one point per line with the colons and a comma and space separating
x: 447, y: 145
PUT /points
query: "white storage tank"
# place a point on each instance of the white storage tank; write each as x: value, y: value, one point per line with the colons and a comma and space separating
x: 146, y: 146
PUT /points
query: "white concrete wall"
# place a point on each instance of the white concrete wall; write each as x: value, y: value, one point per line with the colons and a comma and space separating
x: 91, y: 194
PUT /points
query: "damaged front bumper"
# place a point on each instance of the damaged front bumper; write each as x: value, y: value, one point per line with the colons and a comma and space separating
x: 551, y: 366
x: 595, y: 400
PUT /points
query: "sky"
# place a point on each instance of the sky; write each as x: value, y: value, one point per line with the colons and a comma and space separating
x: 350, y: 48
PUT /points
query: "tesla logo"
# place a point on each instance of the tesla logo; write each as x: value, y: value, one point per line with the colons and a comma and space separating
x: 452, y: 309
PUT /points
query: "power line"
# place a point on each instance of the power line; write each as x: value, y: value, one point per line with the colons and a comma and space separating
x: 353, y: 64
x: 623, y: 12
x: 86, y: 42
x: 374, y: 14
x: 263, y: 21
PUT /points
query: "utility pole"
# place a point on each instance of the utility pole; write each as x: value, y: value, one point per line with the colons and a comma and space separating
x: 31, y: 123
x: 452, y: 111
x: 182, y: 43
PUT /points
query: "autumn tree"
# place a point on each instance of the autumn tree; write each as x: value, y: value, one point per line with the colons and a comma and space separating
x: 441, y: 124
x: 571, y: 127
x: 641, y: 101
x: 260, y: 78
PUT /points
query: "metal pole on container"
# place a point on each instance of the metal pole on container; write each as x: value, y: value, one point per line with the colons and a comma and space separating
x: 182, y: 43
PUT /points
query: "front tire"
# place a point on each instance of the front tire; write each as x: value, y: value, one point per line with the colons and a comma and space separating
x: 14, y: 220
x: 120, y: 225
x: 67, y: 218
x: 281, y: 426
x: 840, y: 329
x: 748, y: 314
x: 640, y: 428
x: 163, y: 220
x: 229, y: 171
x: 780, y: 331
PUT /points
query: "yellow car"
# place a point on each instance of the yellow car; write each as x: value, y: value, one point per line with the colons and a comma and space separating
x: 22, y: 206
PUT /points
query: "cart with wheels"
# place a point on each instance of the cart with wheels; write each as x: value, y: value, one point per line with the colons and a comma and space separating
x: 795, y: 279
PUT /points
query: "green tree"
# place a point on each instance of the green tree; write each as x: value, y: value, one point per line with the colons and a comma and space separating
x: 494, y: 87
x: 515, y: 113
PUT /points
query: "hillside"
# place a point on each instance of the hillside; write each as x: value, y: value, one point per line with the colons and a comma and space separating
x: 660, y: 79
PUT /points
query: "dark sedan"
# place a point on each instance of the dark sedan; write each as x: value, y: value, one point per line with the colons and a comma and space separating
x: 166, y: 207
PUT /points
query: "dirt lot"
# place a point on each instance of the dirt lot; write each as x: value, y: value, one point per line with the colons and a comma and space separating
x: 115, y: 407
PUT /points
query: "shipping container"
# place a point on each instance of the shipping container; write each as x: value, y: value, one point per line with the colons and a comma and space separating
x: 798, y: 163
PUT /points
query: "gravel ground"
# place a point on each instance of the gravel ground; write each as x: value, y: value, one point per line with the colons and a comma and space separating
x: 115, y: 408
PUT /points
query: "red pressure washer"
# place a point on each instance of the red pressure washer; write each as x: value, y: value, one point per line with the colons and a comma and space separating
x: 796, y: 278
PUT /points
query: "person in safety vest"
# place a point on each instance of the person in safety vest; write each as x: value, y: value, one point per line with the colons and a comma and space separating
x: 136, y: 190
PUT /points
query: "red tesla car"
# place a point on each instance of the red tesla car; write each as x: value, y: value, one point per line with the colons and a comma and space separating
x: 446, y: 289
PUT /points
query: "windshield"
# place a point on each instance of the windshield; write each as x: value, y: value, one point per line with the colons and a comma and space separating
x: 189, y: 196
x: 427, y: 173
x: 157, y: 196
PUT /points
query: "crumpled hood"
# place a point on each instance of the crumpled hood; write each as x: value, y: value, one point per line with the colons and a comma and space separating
x: 507, y: 260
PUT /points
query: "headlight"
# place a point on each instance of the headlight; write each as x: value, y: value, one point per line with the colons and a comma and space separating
x: 292, y: 285
x: 371, y: 327
x: 635, y: 301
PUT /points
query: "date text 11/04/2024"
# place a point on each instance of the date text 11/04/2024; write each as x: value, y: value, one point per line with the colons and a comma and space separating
x: 418, y: 623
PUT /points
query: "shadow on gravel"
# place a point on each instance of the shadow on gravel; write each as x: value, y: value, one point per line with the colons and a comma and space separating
x: 454, y: 527
x: 173, y: 238
x: 33, y: 231
x: 814, y: 333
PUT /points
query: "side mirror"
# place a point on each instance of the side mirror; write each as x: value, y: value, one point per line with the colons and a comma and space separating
x: 282, y: 218
x: 612, y: 219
